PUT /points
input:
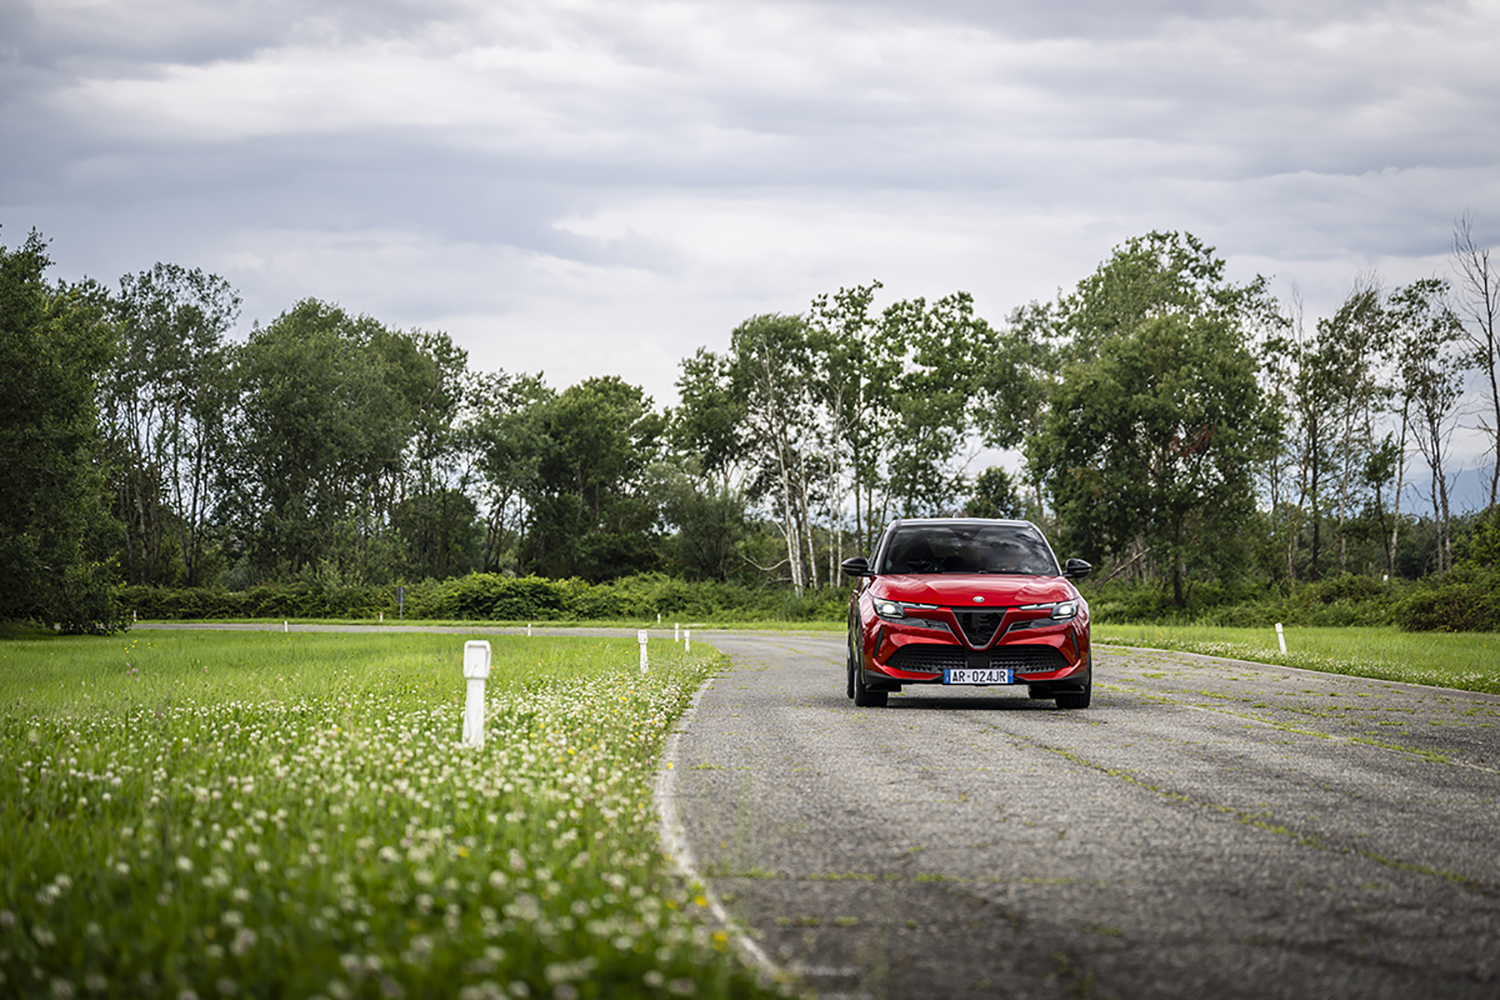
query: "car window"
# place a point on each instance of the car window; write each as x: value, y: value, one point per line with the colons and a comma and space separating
x: 956, y: 548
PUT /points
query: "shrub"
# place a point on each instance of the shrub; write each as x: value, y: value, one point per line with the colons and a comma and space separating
x: 1465, y: 600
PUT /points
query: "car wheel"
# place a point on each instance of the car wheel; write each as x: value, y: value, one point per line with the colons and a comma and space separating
x: 1075, y: 699
x: 849, y: 661
x: 866, y: 697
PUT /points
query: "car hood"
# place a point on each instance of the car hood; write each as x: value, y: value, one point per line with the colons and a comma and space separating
x: 959, y: 590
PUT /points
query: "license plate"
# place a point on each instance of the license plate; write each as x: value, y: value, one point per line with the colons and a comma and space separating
x: 989, y: 675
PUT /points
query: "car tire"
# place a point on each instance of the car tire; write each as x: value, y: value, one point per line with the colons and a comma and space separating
x: 866, y: 697
x: 849, y: 662
x: 1075, y: 699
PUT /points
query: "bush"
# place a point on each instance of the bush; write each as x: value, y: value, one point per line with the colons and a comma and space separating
x: 494, y: 597
x: 1465, y: 600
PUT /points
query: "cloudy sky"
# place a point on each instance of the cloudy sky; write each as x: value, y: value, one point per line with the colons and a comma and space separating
x: 584, y: 187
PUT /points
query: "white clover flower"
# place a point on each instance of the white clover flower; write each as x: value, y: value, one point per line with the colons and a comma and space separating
x: 243, y: 942
x: 184, y: 863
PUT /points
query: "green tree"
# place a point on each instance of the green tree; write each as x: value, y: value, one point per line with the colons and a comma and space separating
x: 328, y: 407
x: 1479, y: 285
x: 1155, y: 439
x: 1431, y: 365
x: 933, y: 399
x: 55, y: 534
x: 772, y: 370
x: 502, y: 435
x: 589, y: 512
x: 704, y: 518
x: 995, y: 495
x: 165, y: 398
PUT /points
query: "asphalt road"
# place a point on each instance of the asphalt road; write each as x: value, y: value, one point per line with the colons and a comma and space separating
x: 1210, y: 828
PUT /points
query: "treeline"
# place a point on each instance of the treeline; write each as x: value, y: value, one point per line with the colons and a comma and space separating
x: 1190, y: 435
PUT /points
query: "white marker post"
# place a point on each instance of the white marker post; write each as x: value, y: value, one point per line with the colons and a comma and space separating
x: 641, y: 638
x: 1281, y: 637
x: 687, y: 641
x: 677, y: 631
x: 476, y: 672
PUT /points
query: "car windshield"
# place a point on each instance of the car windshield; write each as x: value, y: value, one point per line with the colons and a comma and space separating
x: 969, y: 548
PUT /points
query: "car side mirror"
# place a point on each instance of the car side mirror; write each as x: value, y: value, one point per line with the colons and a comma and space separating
x: 856, y: 566
x: 1076, y: 569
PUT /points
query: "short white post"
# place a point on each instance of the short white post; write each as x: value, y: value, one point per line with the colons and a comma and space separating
x: 658, y: 619
x: 382, y: 617
x: 641, y: 638
x: 476, y: 672
x: 687, y: 641
x: 528, y: 630
x: 677, y: 631
x: 1281, y: 637
x: 286, y: 626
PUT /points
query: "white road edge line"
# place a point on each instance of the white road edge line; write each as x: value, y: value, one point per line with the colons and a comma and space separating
x: 675, y: 847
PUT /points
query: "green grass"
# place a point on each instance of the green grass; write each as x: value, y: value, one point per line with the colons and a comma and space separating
x: 1465, y: 660
x: 222, y: 814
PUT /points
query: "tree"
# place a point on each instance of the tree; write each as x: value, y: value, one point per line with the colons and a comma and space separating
x: 995, y: 495
x: 501, y: 434
x: 771, y: 368
x: 165, y: 398
x: 705, y: 519
x: 55, y: 534
x: 327, y: 408
x: 1431, y: 370
x: 1151, y: 276
x: 589, y: 512
x: 933, y: 399
x: 1152, y: 436
x: 1013, y: 380
x: 1480, y: 300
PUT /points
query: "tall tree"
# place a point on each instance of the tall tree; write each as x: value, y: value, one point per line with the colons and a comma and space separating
x: 933, y: 399
x: 55, y: 535
x: 1431, y: 369
x: 1479, y: 297
x: 855, y: 371
x: 501, y: 435
x: 772, y: 377
x: 1157, y: 438
x: 325, y: 416
x: 164, y: 404
x: 590, y: 513
x: 1154, y: 428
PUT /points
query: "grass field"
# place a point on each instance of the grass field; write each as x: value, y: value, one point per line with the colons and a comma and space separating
x: 1467, y: 660
x: 260, y: 814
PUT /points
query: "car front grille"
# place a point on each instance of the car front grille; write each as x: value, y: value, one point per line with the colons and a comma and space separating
x: 921, y: 657
x: 927, y: 658
x: 1028, y: 659
x: 979, y: 626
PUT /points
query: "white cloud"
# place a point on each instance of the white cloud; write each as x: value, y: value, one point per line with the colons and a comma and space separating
x: 575, y: 185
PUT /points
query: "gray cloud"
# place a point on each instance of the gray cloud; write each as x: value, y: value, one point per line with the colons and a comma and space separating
x: 606, y: 182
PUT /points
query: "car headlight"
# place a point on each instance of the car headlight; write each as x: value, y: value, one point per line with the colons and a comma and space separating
x: 896, y: 610
x: 1061, y: 611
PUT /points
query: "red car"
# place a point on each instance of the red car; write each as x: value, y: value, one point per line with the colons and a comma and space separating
x: 966, y: 602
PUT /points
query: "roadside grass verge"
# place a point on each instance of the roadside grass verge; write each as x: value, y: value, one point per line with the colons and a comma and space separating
x: 1469, y: 661
x: 263, y: 814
